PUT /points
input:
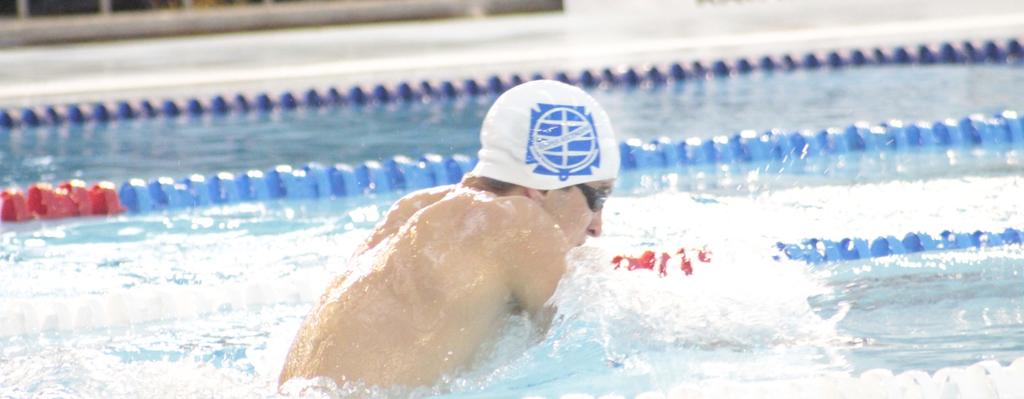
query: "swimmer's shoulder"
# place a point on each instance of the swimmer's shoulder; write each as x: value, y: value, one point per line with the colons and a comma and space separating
x: 523, y: 212
x: 494, y: 215
x: 514, y: 231
x: 422, y: 198
x: 513, y: 217
x: 401, y: 212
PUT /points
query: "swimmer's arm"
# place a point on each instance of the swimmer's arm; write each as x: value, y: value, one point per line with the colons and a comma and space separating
x: 535, y: 264
x: 401, y: 212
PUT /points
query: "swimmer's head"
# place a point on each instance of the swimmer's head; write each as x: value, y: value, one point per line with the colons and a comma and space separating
x: 547, y: 135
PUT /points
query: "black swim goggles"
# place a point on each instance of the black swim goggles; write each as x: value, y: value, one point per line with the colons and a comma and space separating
x: 595, y: 196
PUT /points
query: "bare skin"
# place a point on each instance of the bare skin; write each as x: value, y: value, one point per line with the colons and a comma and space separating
x: 437, y: 279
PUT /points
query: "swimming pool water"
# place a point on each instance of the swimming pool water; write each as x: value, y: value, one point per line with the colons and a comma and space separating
x: 789, y: 101
x: 205, y: 302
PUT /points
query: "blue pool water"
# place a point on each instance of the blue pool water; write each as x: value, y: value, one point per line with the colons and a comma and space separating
x: 205, y: 302
x: 788, y: 101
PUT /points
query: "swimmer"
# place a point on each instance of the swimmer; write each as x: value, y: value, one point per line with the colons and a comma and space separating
x: 448, y: 266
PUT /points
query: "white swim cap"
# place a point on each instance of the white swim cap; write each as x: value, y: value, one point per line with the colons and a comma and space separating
x: 547, y: 135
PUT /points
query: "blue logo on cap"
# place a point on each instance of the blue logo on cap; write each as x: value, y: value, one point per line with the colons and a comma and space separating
x: 562, y: 141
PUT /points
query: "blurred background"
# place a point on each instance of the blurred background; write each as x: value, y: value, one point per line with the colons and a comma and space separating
x: 35, y: 8
x: 27, y: 22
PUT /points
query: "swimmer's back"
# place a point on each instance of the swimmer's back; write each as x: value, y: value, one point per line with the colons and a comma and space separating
x: 400, y: 213
x: 438, y: 287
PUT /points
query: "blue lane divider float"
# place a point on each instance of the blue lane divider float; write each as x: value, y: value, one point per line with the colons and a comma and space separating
x: 815, y: 251
x: 1001, y: 130
x: 402, y: 173
x: 311, y: 181
x: 947, y: 52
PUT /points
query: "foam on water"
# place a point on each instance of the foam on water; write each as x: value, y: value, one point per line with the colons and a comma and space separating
x: 90, y: 373
x: 986, y: 379
x: 624, y: 332
x: 733, y: 303
x: 153, y: 303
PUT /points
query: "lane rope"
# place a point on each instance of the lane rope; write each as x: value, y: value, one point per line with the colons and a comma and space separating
x: 817, y: 251
x: 1004, y: 130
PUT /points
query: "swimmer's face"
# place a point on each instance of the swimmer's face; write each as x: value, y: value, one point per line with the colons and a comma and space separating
x: 579, y: 210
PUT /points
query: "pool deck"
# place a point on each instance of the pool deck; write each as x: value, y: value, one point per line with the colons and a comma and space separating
x: 297, y: 59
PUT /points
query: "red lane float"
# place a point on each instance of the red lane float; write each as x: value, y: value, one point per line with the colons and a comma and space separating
x: 101, y: 199
x: 76, y: 191
x: 68, y: 199
x: 13, y: 206
x: 105, y: 200
x: 47, y: 202
x: 649, y: 260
